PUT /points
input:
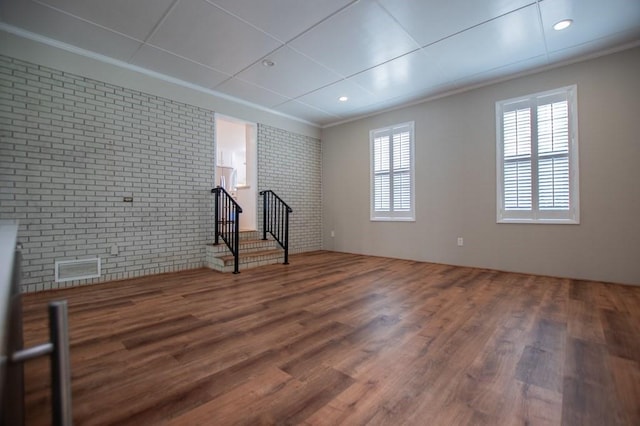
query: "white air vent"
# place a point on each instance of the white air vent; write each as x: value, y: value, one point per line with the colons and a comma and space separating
x: 81, y: 269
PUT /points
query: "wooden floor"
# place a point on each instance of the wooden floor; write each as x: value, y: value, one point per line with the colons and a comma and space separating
x: 345, y: 339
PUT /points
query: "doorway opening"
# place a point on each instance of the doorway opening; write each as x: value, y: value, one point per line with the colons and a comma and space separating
x: 237, y: 165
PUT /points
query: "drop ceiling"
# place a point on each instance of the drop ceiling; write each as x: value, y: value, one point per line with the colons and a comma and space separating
x: 380, y: 54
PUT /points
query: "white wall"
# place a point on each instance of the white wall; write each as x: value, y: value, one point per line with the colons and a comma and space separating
x: 456, y: 181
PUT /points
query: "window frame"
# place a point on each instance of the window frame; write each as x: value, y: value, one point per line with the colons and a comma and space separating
x: 536, y: 215
x: 392, y: 215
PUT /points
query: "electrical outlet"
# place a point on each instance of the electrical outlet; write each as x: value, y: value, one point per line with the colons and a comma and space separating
x: 460, y: 241
x: 333, y: 234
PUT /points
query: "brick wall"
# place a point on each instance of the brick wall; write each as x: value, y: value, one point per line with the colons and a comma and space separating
x: 290, y: 165
x: 71, y: 148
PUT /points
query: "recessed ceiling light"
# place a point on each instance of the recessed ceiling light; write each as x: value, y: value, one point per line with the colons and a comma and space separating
x: 268, y: 63
x: 565, y: 23
x: 343, y: 99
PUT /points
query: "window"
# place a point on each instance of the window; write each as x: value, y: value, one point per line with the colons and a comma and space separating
x: 538, y: 158
x: 392, y: 173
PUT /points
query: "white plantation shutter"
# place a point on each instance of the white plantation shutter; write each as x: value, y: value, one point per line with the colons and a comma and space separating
x: 401, y: 192
x: 538, y: 158
x: 517, y: 185
x: 517, y: 158
x: 553, y: 156
x: 381, y: 167
x: 392, y: 173
x: 402, y: 171
x: 553, y: 183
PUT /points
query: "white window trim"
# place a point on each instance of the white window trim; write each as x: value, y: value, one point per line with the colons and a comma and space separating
x: 572, y: 216
x: 392, y: 216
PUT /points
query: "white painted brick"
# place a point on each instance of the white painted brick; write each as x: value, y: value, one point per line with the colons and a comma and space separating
x: 75, y: 147
x: 73, y: 152
x: 290, y: 165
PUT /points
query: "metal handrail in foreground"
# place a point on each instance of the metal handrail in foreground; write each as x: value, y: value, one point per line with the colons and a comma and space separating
x: 12, y: 353
x: 11, y: 377
x: 58, y: 349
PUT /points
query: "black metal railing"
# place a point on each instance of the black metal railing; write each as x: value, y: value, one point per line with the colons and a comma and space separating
x: 275, y: 220
x: 227, y: 222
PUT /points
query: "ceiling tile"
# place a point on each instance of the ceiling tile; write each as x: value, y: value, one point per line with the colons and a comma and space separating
x: 269, y: 16
x: 509, y: 39
x: 61, y: 27
x: 430, y: 21
x: 599, y: 45
x: 411, y: 74
x: 306, y: 112
x: 249, y: 92
x: 204, y: 33
x: 292, y: 75
x: 133, y: 18
x: 383, y: 105
x: 327, y: 98
x: 166, y: 63
x: 368, y: 50
x: 361, y: 36
x: 613, y: 16
x: 504, y: 71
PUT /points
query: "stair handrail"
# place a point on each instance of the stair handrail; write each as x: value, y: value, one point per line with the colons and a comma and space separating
x: 227, y: 223
x: 275, y: 220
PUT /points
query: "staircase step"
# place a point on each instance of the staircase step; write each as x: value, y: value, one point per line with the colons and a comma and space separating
x: 225, y: 262
x: 245, y: 246
x: 250, y: 235
x: 253, y: 256
x: 254, y: 251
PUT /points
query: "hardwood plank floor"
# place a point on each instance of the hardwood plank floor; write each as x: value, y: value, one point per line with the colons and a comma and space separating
x: 336, y: 338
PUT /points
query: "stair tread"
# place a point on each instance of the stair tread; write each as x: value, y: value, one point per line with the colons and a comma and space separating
x: 257, y: 240
x: 254, y: 252
x: 251, y: 254
x: 247, y: 242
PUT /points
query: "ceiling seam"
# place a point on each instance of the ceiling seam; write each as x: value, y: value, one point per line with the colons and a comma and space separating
x: 544, y: 33
x: 393, y: 18
x: 479, y: 24
x: 326, y: 18
x: 155, y: 29
x: 435, y: 61
x: 187, y: 59
x: 87, y: 21
x: 243, y: 20
x: 252, y: 26
x: 286, y: 44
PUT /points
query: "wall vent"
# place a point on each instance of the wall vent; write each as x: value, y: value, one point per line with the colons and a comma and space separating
x: 81, y: 269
